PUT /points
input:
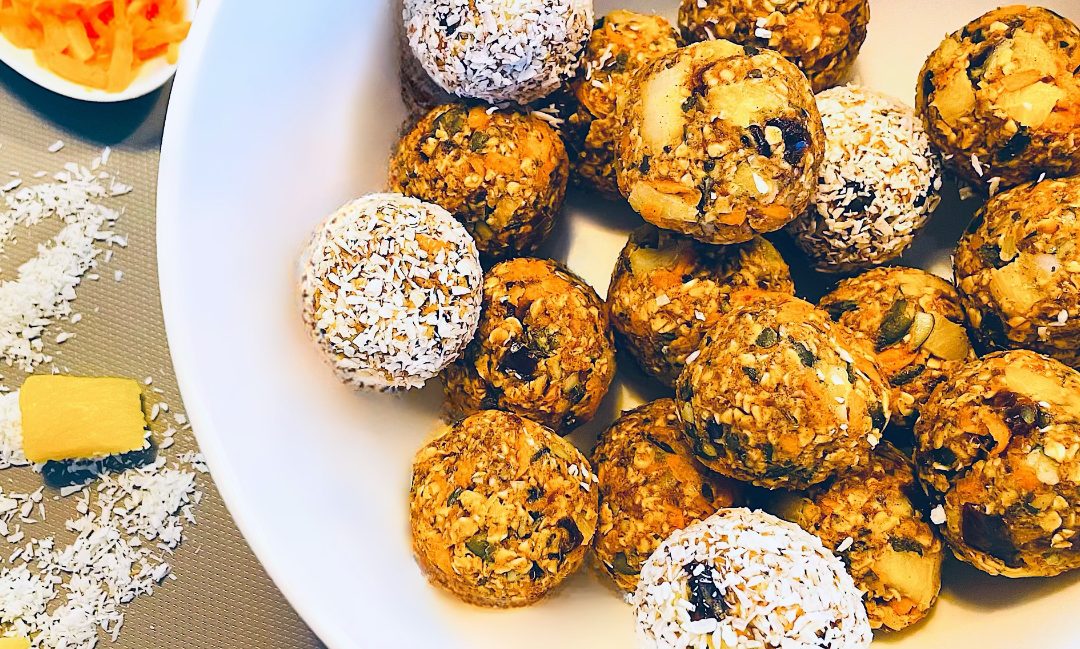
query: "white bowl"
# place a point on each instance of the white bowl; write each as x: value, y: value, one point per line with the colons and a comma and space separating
x: 153, y: 74
x: 276, y: 119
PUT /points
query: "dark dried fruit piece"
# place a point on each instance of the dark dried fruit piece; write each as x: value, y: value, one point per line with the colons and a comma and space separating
x: 990, y: 253
x: 708, y: 603
x: 573, y: 538
x: 796, y: 138
x: 762, y: 145
x: 1015, y: 146
x: 805, y: 355
x: 988, y: 533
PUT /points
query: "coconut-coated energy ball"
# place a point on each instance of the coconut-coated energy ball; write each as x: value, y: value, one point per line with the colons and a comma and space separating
x: 502, y: 173
x: 878, y: 185
x: 780, y: 395
x: 719, y: 141
x: 390, y: 290
x: 1018, y: 270
x: 501, y: 509
x: 650, y: 486
x: 871, y: 517
x: 543, y: 348
x: 1000, y: 98
x: 996, y: 448
x: 822, y: 37
x: 619, y: 44
x: 668, y: 290
x: 915, y: 323
x: 742, y: 579
x: 498, y: 50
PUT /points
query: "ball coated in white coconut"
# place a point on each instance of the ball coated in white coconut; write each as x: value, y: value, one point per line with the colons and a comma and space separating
x: 498, y: 50
x: 743, y: 578
x: 878, y: 184
x: 391, y: 290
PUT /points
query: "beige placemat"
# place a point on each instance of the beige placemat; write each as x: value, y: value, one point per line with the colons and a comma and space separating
x: 221, y: 598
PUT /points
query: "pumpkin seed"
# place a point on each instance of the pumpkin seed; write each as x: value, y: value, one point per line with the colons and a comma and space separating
x: 921, y: 328
x: 620, y: 565
x: 837, y: 309
x: 454, y: 495
x: 767, y: 338
x: 479, y: 546
x: 895, y: 324
x: 907, y: 375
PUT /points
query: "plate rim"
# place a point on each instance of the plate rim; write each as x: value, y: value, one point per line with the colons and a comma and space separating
x: 170, y: 265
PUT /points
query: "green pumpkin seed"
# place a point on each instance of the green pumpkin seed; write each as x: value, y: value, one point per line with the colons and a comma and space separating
x: 620, y: 565
x: 895, y: 324
x: 479, y: 546
x: 767, y: 338
x: 907, y: 375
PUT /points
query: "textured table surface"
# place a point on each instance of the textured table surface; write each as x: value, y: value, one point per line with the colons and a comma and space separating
x: 221, y: 597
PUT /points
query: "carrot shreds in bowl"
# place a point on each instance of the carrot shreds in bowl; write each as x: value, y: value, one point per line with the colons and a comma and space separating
x: 97, y: 43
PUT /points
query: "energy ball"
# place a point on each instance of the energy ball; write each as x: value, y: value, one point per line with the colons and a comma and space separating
x: 668, y: 291
x: 744, y: 578
x: 1001, y: 97
x: 498, y: 50
x: 822, y: 37
x: 390, y: 289
x: 650, y: 486
x: 916, y: 325
x: 543, y: 349
x: 997, y: 450
x: 617, y: 48
x: 780, y: 395
x: 719, y: 141
x: 1018, y: 270
x: 502, y: 173
x: 501, y: 509
x: 872, y: 518
x: 878, y: 184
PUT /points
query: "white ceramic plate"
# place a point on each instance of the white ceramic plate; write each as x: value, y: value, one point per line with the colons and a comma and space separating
x: 153, y: 74
x: 278, y: 117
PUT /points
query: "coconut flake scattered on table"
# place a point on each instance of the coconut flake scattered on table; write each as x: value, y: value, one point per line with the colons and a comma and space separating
x: 44, y: 287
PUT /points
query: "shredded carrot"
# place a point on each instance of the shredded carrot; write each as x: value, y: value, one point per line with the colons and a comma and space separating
x: 97, y: 43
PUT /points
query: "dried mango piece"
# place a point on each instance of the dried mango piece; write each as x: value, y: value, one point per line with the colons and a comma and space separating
x: 74, y: 417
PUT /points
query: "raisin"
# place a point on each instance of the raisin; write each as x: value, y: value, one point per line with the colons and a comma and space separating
x: 664, y: 446
x: 837, y: 309
x: 988, y: 533
x: 760, y: 142
x: 796, y: 138
x: 573, y: 539
x: 904, y: 544
x: 1015, y: 146
x: 704, y: 595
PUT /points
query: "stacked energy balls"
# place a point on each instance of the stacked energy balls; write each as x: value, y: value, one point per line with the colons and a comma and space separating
x: 868, y: 421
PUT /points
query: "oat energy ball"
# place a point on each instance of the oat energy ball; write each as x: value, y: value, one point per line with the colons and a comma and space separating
x: 501, y: 509
x: 498, y: 50
x: 543, y: 349
x: 878, y: 184
x: 1018, y: 270
x: 996, y: 447
x: 390, y: 288
x: 916, y: 325
x: 650, y: 486
x: 668, y: 290
x: 744, y: 578
x: 719, y: 142
x: 619, y: 44
x: 502, y: 173
x: 822, y: 37
x: 1001, y: 97
x: 780, y: 395
x: 871, y: 517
